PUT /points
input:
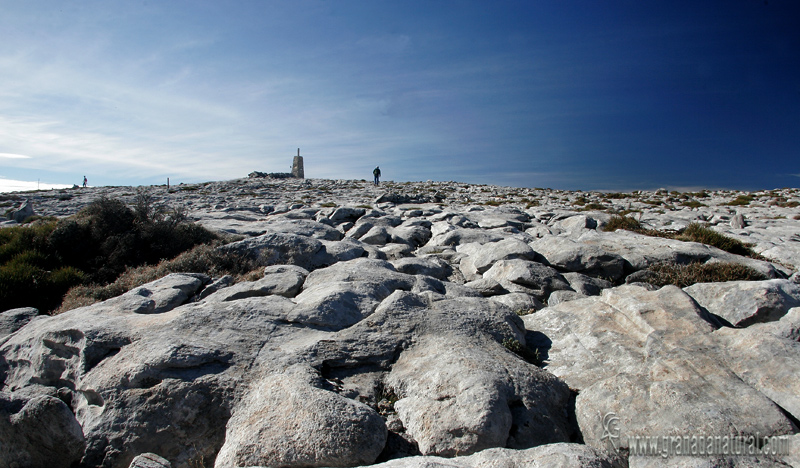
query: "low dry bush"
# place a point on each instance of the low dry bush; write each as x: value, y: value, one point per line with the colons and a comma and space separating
x: 689, y: 274
x: 704, y: 235
x: 694, y: 232
x: 42, y: 260
x: 206, y: 259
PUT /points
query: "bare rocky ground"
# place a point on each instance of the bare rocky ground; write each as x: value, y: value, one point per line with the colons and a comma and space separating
x: 418, y: 325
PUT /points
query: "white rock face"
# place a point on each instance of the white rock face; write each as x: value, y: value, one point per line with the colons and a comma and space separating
x: 384, y: 331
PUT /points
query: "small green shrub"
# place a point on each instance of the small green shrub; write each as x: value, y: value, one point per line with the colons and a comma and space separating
x: 593, y: 206
x: 41, y: 261
x: 741, y: 200
x: 689, y: 274
x: 692, y: 204
x: 695, y: 232
x: 623, y: 222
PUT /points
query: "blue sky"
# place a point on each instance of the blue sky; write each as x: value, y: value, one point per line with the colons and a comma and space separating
x: 606, y: 95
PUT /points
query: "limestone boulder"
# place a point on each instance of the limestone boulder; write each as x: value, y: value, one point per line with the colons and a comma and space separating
x: 586, y: 285
x: 765, y: 358
x: 551, y: 455
x: 288, y: 419
x: 558, y: 297
x: 429, y: 266
x: 14, y: 319
x: 346, y: 214
x: 480, y: 257
x: 519, y: 302
x: 632, y: 352
x: 527, y: 277
x: 743, y: 303
x: 39, y: 432
x: 468, y: 403
x: 456, y: 236
x: 580, y: 257
x: 302, y: 227
x: 149, y: 460
x: 282, y: 249
x: 23, y: 212
x: 614, y: 254
x: 282, y: 282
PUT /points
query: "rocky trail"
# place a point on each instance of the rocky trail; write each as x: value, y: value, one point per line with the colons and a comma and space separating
x: 428, y: 324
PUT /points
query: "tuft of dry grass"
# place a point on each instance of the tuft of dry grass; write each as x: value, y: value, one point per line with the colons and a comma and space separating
x: 694, y: 232
x: 689, y: 274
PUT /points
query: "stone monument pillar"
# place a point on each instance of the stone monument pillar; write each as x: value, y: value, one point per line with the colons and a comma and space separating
x: 297, y: 166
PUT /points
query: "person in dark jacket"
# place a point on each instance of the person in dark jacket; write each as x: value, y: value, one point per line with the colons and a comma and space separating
x: 377, y: 173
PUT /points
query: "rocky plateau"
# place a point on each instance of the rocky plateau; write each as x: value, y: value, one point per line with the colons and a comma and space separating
x: 427, y: 324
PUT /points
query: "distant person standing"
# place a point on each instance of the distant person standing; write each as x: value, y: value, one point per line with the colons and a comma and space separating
x: 85, y: 181
x: 377, y: 173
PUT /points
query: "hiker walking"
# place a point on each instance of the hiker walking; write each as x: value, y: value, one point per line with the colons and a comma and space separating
x: 377, y: 173
x: 85, y: 181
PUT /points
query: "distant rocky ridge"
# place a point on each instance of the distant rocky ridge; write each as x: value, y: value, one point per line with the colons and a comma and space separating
x: 391, y: 328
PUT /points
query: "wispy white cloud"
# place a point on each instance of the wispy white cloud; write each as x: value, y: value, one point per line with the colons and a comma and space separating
x: 11, y: 185
x: 13, y: 156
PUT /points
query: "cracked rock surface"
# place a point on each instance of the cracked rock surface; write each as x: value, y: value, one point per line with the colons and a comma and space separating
x: 433, y: 324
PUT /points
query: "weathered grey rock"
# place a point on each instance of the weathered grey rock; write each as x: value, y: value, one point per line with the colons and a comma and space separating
x: 575, y: 223
x: 655, y: 349
x: 282, y: 249
x: 167, y: 383
x: 612, y: 254
x: 462, y: 236
x: 519, y: 302
x: 551, y: 455
x: 429, y: 266
x: 377, y: 235
x: 286, y: 284
x: 581, y: 257
x: 586, y: 285
x: 14, y: 319
x: 558, y: 297
x: 481, y: 257
x: 22, y: 213
x: 412, y: 232
x: 528, y: 277
x: 40, y: 432
x: 679, y: 461
x: 289, y: 420
x: 216, y: 285
x: 764, y: 358
x: 150, y: 460
x: 743, y: 303
x: 170, y: 291
x: 346, y: 213
x: 302, y: 227
x: 738, y: 222
x: 468, y: 405
x: 487, y: 287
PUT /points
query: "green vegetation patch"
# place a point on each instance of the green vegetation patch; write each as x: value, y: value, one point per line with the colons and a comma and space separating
x: 741, y: 200
x: 692, y: 204
x: 41, y: 261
